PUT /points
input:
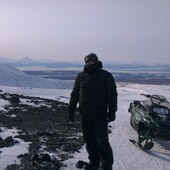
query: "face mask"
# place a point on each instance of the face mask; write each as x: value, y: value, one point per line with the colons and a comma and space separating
x: 90, y: 67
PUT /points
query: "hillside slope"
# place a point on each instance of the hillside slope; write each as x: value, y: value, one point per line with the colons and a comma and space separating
x: 11, y: 76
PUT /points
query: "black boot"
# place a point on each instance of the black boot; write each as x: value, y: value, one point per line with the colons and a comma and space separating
x: 106, y: 168
x: 92, y: 166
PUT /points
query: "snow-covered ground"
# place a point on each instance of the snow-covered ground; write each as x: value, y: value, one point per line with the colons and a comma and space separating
x: 8, y: 155
x: 126, y: 155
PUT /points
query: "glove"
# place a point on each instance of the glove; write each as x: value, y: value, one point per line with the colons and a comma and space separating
x: 71, y: 116
x: 111, y: 116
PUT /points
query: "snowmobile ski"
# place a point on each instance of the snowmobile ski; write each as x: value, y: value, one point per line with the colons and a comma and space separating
x: 145, y: 147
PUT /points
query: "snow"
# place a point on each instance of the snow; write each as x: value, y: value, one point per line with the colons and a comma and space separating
x: 126, y: 155
x: 3, y: 103
x: 38, y: 92
x: 11, y: 76
x: 8, y: 155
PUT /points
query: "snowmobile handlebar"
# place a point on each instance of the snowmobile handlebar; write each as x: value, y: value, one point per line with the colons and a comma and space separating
x: 155, y: 99
x: 146, y: 95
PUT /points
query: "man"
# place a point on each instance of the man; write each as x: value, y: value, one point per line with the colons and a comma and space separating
x: 95, y: 91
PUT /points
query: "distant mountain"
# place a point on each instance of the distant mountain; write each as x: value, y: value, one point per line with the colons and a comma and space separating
x: 24, y: 60
x: 11, y: 76
x: 27, y: 60
x: 7, y: 60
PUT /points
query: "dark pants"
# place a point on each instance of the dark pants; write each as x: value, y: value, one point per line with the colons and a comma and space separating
x: 95, y: 133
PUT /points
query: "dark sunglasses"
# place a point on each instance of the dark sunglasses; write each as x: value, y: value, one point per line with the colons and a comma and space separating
x: 90, y: 58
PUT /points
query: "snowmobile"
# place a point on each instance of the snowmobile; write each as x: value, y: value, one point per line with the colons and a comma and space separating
x: 151, y: 119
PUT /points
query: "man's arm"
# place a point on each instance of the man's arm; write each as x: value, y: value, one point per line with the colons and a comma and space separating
x: 112, y: 98
x: 74, y: 97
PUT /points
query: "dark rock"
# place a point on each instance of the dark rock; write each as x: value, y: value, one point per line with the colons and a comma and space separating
x: 36, y: 157
x: 14, y: 100
x: 8, y: 139
x: 7, y: 142
x: 45, y: 134
x: 46, y: 158
x: 1, y: 139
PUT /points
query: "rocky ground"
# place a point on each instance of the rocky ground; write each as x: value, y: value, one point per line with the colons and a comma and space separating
x: 44, y: 123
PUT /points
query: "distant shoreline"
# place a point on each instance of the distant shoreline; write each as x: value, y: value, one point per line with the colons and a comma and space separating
x: 157, y: 78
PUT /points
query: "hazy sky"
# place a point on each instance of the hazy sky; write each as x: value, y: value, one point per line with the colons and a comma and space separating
x: 116, y: 30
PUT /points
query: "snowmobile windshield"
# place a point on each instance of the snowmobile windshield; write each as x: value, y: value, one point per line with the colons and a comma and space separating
x: 157, y: 99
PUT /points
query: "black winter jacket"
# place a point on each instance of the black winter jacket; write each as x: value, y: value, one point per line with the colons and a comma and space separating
x: 95, y: 92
